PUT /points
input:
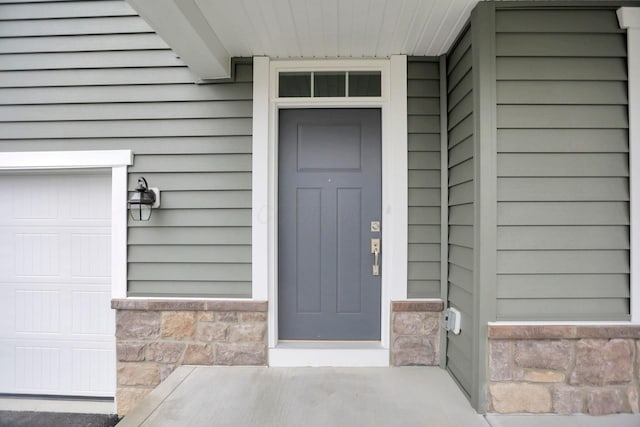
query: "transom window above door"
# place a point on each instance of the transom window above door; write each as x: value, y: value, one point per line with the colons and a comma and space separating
x: 329, y: 84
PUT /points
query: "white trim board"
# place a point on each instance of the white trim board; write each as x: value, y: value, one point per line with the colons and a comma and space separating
x: 629, y: 18
x: 117, y: 160
x: 393, y: 104
x: 314, y: 357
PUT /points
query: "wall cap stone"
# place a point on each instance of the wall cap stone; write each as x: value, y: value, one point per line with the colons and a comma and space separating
x: 434, y: 305
x: 564, y: 331
x: 147, y: 304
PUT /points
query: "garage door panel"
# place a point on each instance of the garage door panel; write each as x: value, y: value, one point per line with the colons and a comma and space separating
x: 38, y: 311
x: 37, y: 254
x: 91, y: 255
x: 44, y: 367
x: 38, y: 369
x: 55, y: 198
x: 55, y: 254
x: 85, y: 206
x: 56, y: 325
x: 75, y: 310
x: 25, y: 203
x: 86, y: 379
x: 83, y: 322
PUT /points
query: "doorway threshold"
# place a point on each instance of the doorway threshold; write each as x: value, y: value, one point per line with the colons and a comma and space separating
x: 329, y: 354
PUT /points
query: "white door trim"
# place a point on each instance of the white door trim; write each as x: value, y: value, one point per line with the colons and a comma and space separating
x: 629, y: 18
x: 393, y: 104
x: 117, y: 160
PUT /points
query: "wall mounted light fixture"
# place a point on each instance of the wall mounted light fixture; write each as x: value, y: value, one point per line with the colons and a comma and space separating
x: 143, y: 201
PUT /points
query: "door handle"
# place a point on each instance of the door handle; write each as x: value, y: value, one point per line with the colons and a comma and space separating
x: 375, y: 250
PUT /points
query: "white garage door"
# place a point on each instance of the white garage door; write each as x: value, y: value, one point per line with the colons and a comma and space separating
x: 56, y: 324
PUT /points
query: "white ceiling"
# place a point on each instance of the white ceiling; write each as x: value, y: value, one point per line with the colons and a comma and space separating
x: 335, y: 28
x: 303, y: 28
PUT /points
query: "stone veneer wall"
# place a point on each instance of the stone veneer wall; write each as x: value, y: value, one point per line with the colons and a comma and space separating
x: 564, y: 369
x: 153, y: 337
x: 415, y: 332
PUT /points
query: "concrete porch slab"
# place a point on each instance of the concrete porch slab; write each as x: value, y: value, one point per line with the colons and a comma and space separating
x: 260, y: 396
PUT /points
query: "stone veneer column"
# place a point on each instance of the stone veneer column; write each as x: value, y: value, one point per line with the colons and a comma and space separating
x: 564, y: 369
x: 153, y: 337
x: 415, y: 332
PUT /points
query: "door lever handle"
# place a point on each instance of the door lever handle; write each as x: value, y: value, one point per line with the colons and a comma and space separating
x: 375, y: 250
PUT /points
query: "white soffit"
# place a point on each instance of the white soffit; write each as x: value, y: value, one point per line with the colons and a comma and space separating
x: 206, y: 33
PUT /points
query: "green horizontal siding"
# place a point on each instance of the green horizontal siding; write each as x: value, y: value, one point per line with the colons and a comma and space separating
x: 554, y: 21
x: 562, y: 92
x: 187, y: 235
x: 563, y: 164
x: 560, y: 68
x: 552, y: 286
x: 86, y: 75
x: 603, y: 309
x: 60, y: 44
x: 423, y: 108
x: 71, y: 26
x: 79, y: 60
x: 180, y: 288
x: 64, y: 10
x: 563, y: 140
x: 563, y: 213
x: 122, y: 93
x: 553, y: 189
x: 113, y: 111
x: 460, y: 123
x: 563, y: 167
x: 561, y: 44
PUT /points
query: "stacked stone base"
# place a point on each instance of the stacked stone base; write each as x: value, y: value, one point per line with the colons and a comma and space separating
x: 153, y: 337
x: 564, y: 369
x: 415, y: 332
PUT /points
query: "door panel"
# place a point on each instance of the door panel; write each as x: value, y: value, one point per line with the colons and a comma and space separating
x: 329, y: 191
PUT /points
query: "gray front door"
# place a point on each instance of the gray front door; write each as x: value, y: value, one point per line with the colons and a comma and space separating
x: 329, y: 192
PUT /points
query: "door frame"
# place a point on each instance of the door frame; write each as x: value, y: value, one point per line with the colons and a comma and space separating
x: 393, y: 106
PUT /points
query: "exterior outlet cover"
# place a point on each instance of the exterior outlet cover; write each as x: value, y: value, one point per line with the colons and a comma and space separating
x: 452, y: 320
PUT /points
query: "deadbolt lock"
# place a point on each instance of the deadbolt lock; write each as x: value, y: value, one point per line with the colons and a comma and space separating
x: 375, y: 226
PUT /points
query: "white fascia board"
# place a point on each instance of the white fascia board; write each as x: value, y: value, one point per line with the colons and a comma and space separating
x: 184, y: 28
x: 629, y: 19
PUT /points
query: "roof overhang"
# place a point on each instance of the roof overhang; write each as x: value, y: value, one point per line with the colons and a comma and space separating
x: 206, y: 34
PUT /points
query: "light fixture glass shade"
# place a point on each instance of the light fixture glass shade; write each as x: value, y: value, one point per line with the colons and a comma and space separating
x: 141, y: 202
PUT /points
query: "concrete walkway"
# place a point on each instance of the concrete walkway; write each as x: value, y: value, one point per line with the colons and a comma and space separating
x: 308, y: 397
x: 328, y: 397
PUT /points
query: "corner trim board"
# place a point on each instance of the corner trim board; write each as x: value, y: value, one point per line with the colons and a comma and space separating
x: 485, y: 193
x: 260, y: 213
x: 444, y: 201
x: 629, y: 19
